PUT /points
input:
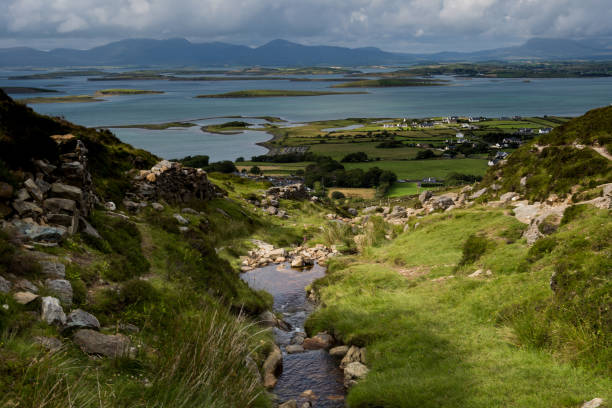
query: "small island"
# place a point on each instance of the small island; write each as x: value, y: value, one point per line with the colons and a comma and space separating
x: 228, y: 128
x: 26, y: 90
x: 389, y: 82
x: 111, y: 92
x: 151, y: 126
x: 61, y: 99
x: 268, y: 93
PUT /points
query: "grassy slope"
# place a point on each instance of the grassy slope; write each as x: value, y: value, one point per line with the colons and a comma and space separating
x: 464, y: 342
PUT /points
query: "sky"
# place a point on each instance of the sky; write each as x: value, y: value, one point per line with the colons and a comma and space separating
x: 393, y: 25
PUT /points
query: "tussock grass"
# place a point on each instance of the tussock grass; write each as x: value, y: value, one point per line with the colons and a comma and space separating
x: 505, y: 340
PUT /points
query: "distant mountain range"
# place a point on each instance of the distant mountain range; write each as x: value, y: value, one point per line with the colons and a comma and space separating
x: 180, y: 52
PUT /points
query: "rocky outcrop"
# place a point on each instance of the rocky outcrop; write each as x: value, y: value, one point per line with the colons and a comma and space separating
x: 50, y: 203
x: 171, y: 182
x: 60, y: 288
x: 290, y: 192
x: 299, y: 257
x: 93, y: 342
x: 52, y: 312
x: 80, y: 319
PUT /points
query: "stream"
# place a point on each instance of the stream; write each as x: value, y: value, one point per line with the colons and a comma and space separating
x: 312, y: 370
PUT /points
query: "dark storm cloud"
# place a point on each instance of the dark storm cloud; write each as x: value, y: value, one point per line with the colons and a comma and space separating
x: 401, y: 25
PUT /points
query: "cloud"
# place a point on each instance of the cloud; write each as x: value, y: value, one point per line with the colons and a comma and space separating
x: 407, y: 25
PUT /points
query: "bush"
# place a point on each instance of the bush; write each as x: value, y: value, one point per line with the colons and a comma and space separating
x: 337, y: 195
x: 355, y: 157
x: 572, y: 213
x: 225, y: 166
x: 255, y: 170
x: 540, y: 248
x: 138, y: 291
x: 425, y: 154
x: 195, y: 161
x: 473, y: 248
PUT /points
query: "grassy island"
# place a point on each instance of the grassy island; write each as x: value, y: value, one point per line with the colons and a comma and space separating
x: 153, y: 126
x: 107, y: 92
x: 26, y: 90
x: 389, y: 82
x: 268, y: 93
x: 61, y: 99
x: 228, y: 128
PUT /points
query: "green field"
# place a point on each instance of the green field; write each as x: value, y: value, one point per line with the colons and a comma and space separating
x: 338, y: 150
x: 419, y: 169
x: 405, y: 189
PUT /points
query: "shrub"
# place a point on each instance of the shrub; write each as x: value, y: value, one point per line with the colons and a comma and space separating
x: 572, y: 213
x: 138, y: 291
x: 355, y: 157
x: 425, y: 154
x: 195, y: 161
x: 255, y: 170
x: 540, y: 248
x: 337, y: 195
x: 225, y: 166
x: 473, y: 248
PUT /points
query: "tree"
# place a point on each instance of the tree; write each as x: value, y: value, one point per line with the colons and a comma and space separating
x: 255, y: 170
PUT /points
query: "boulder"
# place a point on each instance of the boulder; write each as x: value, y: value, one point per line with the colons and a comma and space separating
x: 157, y: 207
x: 443, y: 203
x: 424, y: 196
x: 110, y: 206
x: 272, y: 366
x: 25, y: 208
x: 294, y: 348
x: 277, y: 252
x: 5, y: 285
x: 309, y: 394
x: 59, y: 205
x: 93, y: 342
x: 594, y: 403
x: 33, y: 189
x: 49, y: 343
x: 354, y: 372
x: 52, y: 312
x: 180, y: 219
x: 339, y: 352
x: 353, y: 212
x: 34, y: 232
x: 23, y: 298
x: 54, y: 269
x: 6, y: 190
x: 66, y: 191
x: 509, y: 196
x: 272, y: 210
x: 189, y: 211
x: 297, y: 262
x: 352, y: 355
x: 61, y: 288
x: 80, y: 319
x: 478, y: 193
x: 22, y: 195
x: 88, y: 229
x: 320, y: 341
x: 26, y: 285
x: 45, y: 166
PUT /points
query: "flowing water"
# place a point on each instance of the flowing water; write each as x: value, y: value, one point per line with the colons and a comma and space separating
x: 312, y: 370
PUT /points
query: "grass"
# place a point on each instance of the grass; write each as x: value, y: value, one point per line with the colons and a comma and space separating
x: 405, y: 189
x: 267, y: 93
x: 501, y: 341
x: 338, y: 150
x: 366, y: 193
x: 419, y: 169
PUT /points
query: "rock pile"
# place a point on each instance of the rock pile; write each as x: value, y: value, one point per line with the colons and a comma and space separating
x: 171, y: 182
x: 300, y: 257
x: 55, y: 201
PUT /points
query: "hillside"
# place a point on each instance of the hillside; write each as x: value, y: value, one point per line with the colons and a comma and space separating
x: 120, y: 280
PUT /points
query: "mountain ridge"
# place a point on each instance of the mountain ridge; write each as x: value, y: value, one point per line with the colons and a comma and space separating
x: 180, y: 51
